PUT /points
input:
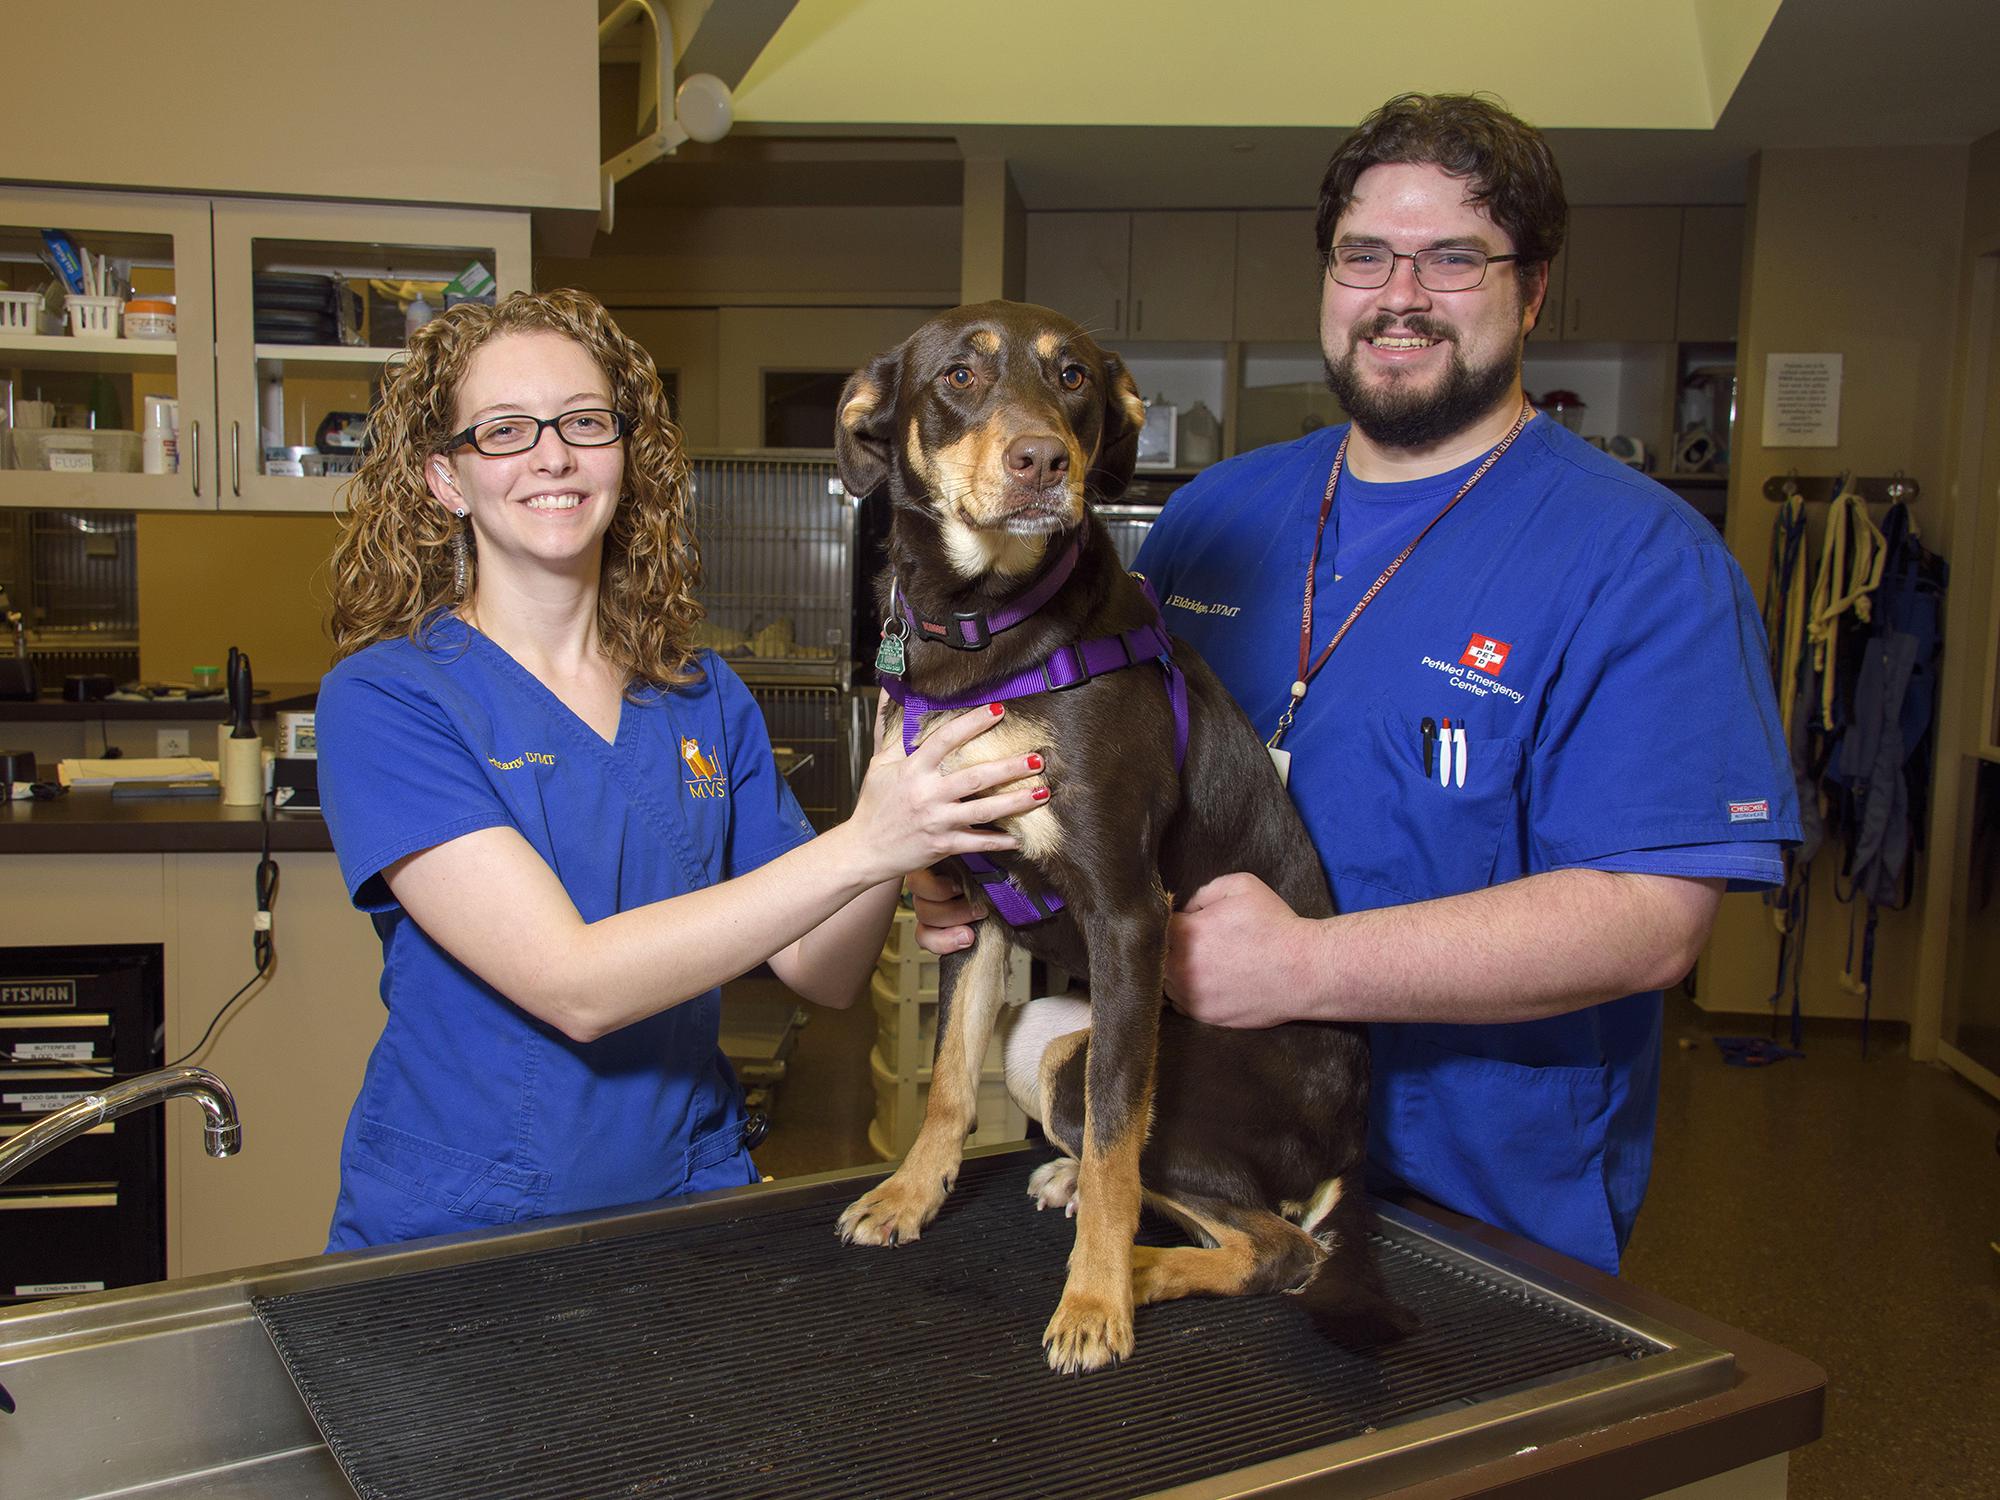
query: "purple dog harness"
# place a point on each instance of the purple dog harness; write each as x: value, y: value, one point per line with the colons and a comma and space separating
x: 1070, y: 667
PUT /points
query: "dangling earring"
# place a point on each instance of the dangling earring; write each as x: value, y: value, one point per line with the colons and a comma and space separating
x: 458, y: 558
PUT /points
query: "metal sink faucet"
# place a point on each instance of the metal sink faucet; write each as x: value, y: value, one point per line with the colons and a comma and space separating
x: 222, y: 1133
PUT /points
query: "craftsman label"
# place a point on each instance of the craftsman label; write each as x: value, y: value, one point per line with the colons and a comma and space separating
x: 40, y: 1104
x: 52, y: 1052
x: 38, y: 994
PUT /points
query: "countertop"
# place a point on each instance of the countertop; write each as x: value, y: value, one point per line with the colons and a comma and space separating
x: 55, y: 709
x: 89, y: 820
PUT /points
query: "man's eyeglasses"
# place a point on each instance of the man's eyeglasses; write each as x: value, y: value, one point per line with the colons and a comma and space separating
x: 1449, y: 269
x: 497, y: 437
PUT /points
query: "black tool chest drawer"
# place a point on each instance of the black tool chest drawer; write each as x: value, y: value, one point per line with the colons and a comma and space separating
x: 92, y: 1213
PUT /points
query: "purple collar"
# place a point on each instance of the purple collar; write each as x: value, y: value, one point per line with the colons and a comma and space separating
x: 974, y: 628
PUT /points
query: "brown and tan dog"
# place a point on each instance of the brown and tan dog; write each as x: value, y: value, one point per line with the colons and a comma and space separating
x: 993, y: 427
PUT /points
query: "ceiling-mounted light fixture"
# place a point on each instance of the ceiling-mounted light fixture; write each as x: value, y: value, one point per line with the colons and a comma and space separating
x: 702, y: 109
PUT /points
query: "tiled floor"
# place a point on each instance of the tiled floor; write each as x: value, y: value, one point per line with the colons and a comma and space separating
x: 1843, y: 1208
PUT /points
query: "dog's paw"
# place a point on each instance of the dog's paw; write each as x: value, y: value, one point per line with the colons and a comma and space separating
x: 893, y: 1213
x: 1053, y: 1185
x: 1087, y: 1333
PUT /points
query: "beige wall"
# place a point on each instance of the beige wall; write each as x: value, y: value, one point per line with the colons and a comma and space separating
x: 448, y: 101
x: 209, y: 582
x: 1809, y: 289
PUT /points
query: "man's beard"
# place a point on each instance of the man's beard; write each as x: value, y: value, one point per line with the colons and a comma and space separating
x: 1398, y: 414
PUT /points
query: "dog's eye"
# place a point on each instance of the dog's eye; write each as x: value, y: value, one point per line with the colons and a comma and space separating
x: 958, y: 377
x: 1073, y: 377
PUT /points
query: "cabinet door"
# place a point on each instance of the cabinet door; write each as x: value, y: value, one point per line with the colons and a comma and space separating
x: 1279, y: 277
x: 1548, y: 327
x: 1183, y: 276
x: 1624, y: 272
x: 106, y: 376
x: 1711, y: 274
x: 1079, y: 264
x: 274, y: 392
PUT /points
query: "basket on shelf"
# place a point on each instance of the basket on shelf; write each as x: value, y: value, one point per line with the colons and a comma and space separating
x: 94, y: 317
x: 21, y: 312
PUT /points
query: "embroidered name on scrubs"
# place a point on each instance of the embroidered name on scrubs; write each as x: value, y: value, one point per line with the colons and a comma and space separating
x: 1485, y: 653
x: 1198, y: 607
x: 706, y: 778
x: 525, y: 758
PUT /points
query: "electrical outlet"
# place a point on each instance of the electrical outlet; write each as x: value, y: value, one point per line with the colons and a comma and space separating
x: 173, y: 743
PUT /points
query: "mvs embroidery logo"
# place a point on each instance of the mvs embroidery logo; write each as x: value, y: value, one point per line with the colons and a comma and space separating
x: 1485, y: 653
x: 705, y: 778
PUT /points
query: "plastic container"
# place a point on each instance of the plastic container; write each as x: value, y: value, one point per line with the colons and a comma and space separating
x: 77, y: 450
x: 207, y: 679
x: 149, y: 318
x: 21, y: 313
x: 94, y: 317
x: 159, y: 444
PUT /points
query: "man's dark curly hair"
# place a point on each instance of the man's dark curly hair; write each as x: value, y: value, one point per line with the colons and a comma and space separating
x: 1504, y: 160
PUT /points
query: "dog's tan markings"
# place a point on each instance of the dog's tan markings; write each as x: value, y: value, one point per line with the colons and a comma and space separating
x: 1046, y: 345
x: 1054, y: 1060
x: 861, y: 405
x: 1324, y: 1199
x: 1261, y: 1254
x: 896, y: 1211
x: 1092, y: 1325
x: 1038, y: 829
x: 1126, y: 393
x: 985, y: 340
x: 920, y: 459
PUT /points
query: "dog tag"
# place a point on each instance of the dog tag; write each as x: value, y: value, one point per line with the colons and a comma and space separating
x: 889, y: 656
x: 1282, y: 759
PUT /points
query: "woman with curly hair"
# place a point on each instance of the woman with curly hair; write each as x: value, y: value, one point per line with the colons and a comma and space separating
x: 564, y: 818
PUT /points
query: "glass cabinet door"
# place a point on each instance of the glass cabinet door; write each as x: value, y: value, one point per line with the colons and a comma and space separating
x: 85, y: 372
x: 312, y: 301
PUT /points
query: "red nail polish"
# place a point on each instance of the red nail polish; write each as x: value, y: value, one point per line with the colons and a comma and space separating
x: 995, y: 709
x: 1040, y: 794
x: 1034, y: 763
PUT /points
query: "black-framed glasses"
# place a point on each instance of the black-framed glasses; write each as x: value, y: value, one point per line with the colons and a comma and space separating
x: 587, y: 427
x: 1449, y: 268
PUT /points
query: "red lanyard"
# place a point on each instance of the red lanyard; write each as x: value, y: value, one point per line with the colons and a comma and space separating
x: 1308, y: 666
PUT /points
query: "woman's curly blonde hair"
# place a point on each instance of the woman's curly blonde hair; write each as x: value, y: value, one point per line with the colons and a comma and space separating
x: 392, y: 567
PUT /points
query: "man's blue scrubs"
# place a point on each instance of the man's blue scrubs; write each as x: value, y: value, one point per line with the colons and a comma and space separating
x: 1587, y: 646
x: 474, y: 1113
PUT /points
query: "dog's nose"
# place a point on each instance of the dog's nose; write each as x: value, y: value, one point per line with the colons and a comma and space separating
x: 1037, y: 460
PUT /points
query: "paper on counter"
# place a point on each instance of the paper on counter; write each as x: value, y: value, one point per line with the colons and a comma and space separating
x: 161, y: 768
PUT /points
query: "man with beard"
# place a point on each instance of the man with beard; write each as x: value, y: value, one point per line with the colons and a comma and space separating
x: 1521, y: 688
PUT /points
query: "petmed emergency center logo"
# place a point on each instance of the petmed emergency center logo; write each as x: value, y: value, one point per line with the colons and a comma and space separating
x: 704, y: 778
x: 1485, y: 653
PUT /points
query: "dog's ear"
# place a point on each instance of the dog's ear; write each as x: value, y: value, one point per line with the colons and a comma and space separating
x: 864, y: 426
x: 1118, y: 449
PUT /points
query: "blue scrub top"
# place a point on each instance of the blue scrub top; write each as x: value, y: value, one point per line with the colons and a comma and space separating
x: 472, y: 1112
x: 1597, y: 646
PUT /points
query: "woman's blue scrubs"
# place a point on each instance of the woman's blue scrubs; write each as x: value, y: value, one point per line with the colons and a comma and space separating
x: 1596, y: 647
x: 473, y: 1113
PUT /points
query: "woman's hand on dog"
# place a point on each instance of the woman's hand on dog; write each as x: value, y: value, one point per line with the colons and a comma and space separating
x: 1227, y: 952
x: 912, y: 812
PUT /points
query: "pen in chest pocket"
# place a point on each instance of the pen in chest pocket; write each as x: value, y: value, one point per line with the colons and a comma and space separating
x: 1449, y: 742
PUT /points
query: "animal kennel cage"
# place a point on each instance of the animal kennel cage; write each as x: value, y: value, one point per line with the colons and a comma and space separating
x: 777, y: 556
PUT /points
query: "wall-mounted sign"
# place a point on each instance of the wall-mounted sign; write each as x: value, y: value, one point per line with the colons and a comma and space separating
x: 1802, y: 401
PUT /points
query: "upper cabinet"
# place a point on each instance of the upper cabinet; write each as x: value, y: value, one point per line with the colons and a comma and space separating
x: 76, y: 402
x: 1622, y: 274
x: 1162, y: 276
x: 1278, y: 276
x: 284, y: 316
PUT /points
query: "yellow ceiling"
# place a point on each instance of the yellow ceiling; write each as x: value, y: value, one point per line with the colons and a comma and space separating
x: 1575, y: 64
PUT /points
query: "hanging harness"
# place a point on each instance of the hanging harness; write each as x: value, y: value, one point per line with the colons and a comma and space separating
x: 1069, y: 667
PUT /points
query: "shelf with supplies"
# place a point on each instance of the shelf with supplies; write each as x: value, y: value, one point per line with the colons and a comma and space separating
x: 285, y: 315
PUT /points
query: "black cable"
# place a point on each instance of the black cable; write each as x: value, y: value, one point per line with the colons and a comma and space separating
x: 263, y: 947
